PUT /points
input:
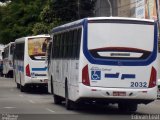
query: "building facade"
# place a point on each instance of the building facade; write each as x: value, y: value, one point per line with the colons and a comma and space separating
x: 106, y: 8
x: 127, y: 8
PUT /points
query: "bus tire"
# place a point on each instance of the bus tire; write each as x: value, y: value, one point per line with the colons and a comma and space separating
x: 122, y: 107
x: 6, y: 75
x: 18, y: 85
x: 57, y: 99
x: 70, y: 105
x: 133, y: 107
x: 130, y: 107
x: 22, y: 88
x: 51, y: 86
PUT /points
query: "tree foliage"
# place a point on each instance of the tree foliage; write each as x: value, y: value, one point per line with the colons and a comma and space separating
x: 70, y: 10
x: 21, y: 18
x: 18, y: 18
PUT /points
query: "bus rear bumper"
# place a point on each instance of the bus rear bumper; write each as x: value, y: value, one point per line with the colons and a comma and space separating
x: 36, y: 81
x: 140, y: 95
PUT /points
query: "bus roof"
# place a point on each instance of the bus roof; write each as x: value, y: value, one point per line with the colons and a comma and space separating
x: 36, y: 36
x: 80, y: 22
x: 9, y: 44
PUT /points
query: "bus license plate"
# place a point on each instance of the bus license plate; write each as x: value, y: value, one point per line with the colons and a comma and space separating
x: 119, y: 93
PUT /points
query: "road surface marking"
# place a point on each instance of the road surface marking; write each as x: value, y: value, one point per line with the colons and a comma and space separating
x: 50, y: 110
x: 21, y: 95
x: 31, y: 101
x: 9, y: 107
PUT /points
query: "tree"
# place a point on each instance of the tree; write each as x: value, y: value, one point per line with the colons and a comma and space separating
x: 86, y: 8
x: 70, y: 10
x: 4, y: 0
x: 48, y: 20
x: 21, y: 18
x: 18, y: 18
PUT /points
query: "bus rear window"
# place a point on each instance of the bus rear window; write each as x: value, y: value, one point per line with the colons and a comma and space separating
x: 37, y: 47
x: 120, y: 41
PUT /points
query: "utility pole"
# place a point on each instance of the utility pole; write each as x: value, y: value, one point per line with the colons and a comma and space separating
x: 78, y: 4
x: 110, y: 5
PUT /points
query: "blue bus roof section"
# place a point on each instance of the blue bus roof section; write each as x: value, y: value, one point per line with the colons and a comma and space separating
x: 82, y: 21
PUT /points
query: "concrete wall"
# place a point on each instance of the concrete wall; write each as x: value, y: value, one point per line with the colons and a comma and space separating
x: 126, y: 8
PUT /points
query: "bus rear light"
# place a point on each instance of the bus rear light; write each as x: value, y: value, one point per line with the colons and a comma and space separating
x: 153, y: 77
x: 85, y: 76
x: 28, y: 71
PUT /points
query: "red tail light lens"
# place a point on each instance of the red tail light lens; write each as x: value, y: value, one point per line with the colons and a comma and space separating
x: 153, y: 77
x: 85, y: 76
x: 28, y: 71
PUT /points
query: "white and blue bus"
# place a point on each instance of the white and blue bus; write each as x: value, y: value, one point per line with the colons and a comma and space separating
x: 105, y: 60
x: 1, y: 58
x: 8, y: 60
x: 29, y: 62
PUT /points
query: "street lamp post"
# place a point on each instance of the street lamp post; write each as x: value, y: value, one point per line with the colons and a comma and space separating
x: 110, y: 7
x: 78, y: 3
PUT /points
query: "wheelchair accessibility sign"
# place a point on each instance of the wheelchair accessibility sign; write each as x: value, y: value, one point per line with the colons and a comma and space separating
x: 96, y: 75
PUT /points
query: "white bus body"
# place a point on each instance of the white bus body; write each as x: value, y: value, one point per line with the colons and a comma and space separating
x: 116, y: 63
x: 29, y: 62
x: 1, y: 59
x: 8, y: 60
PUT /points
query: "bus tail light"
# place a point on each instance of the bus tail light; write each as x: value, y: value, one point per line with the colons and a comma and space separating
x: 153, y: 77
x: 28, y: 71
x: 85, y: 76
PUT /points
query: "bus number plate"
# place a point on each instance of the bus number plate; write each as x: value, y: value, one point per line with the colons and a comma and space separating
x: 119, y: 93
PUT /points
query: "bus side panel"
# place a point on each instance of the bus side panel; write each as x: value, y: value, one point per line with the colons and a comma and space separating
x: 64, y: 74
x: 19, y: 66
x: 55, y: 76
x: 74, y: 73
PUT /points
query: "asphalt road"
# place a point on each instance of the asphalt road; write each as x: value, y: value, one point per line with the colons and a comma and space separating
x: 39, y: 105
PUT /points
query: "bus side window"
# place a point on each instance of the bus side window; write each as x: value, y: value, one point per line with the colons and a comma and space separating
x: 61, y: 46
x: 49, y: 52
x: 54, y: 46
x: 2, y: 55
x: 64, y: 44
x: 67, y: 45
x: 19, y: 51
x: 78, y: 44
x: 74, y: 44
x: 71, y: 44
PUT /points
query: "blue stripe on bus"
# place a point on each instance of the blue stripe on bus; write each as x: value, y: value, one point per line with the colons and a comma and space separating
x: 112, y: 75
x: 21, y: 68
x: 119, y: 62
x: 65, y: 27
x: 39, y: 69
x: 129, y: 76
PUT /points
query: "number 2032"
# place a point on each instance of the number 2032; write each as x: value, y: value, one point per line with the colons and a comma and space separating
x: 139, y: 84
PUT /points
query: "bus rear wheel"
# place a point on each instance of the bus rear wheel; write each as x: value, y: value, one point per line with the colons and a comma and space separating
x: 57, y: 99
x: 70, y: 105
x: 18, y: 85
x: 22, y: 88
x: 127, y: 107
